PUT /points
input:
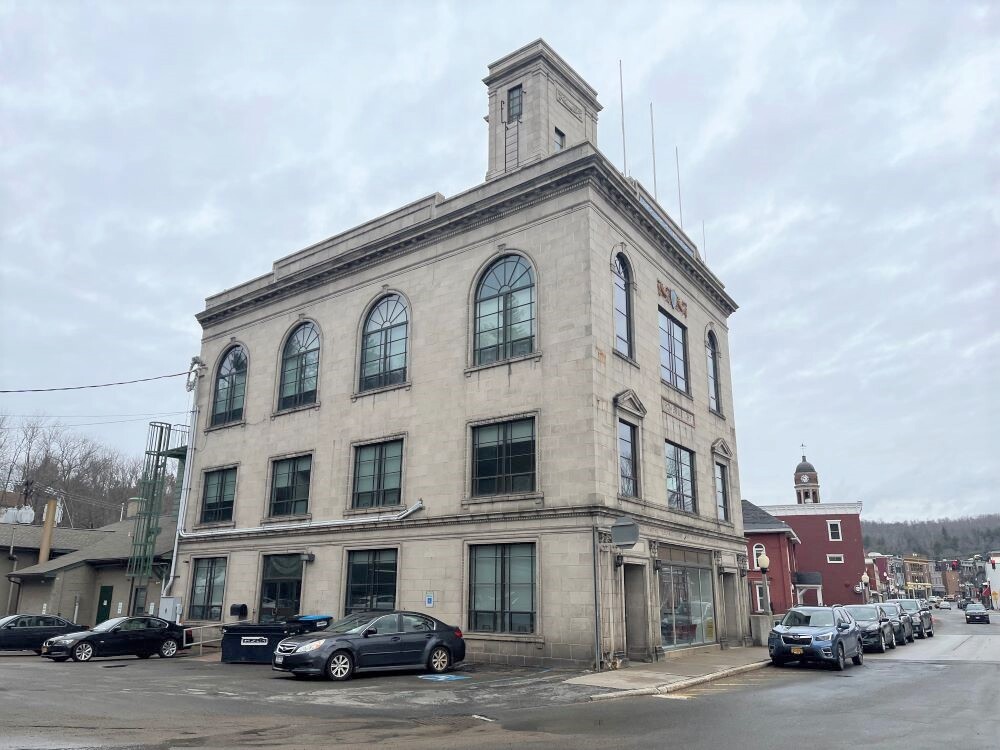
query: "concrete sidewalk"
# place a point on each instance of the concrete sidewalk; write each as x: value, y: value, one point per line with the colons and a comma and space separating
x: 678, y: 671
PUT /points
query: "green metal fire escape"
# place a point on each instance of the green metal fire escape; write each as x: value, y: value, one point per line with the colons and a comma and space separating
x: 165, y: 443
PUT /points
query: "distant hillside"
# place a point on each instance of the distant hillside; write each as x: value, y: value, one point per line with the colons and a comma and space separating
x: 939, y: 539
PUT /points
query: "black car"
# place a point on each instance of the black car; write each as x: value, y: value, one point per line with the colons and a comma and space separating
x: 902, y: 625
x: 29, y: 632
x: 121, y: 636
x: 920, y: 612
x: 372, y: 641
x: 976, y: 613
x: 876, y: 628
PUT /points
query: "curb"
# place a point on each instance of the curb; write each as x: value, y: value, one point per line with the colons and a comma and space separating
x: 671, y: 687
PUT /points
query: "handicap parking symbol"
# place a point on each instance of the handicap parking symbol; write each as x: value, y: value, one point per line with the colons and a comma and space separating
x: 443, y: 677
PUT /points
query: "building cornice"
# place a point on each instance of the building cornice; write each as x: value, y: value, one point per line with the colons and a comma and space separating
x: 814, y: 509
x: 502, y: 197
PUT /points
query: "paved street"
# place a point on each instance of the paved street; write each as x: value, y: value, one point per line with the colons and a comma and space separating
x: 924, y: 695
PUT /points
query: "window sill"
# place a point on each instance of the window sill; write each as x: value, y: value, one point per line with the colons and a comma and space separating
x: 532, y: 638
x: 214, y: 525
x: 383, y: 389
x: 374, y: 510
x: 688, y: 513
x: 293, y: 409
x: 226, y: 425
x: 286, y: 519
x: 718, y: 414
x: 538, y: 497
x: 626, y: 358
x: 477, y: 368
x: 678, y: 391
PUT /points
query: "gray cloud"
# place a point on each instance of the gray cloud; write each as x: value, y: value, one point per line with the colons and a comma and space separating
x: 842, y: 158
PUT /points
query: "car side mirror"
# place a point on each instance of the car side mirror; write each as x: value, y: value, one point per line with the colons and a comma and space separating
x: 844, y: 626
x: 884, y: 619
x: 370, y: 631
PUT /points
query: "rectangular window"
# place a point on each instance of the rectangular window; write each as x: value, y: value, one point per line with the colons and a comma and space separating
x: 759, y: 591
x: 220, y: 492
x: 514, y: 102
x: 502, y: 588
x: 722, y: 491
x: 378, y: 471
x: 687, y: 609
x: 559, y: 140
x: 835, y: 559
x: 673, y: 352
x: 290, y: 486
x: 833, y: 531
x: 207, y: 584
x: 629, y: 486
x: 139, y: 601
x: 371, y: 580
x: 503, y: 458
x: 680, y: 479
x: 280, y: 588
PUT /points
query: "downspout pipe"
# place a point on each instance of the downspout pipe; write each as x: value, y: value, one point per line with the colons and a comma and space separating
x: 597, y: 600
x: 193, y: 378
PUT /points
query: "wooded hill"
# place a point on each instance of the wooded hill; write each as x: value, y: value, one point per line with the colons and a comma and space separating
x: 940, y: 539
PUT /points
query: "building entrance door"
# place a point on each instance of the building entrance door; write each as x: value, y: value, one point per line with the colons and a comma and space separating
x: 636, y: 613
x: 104, y: 603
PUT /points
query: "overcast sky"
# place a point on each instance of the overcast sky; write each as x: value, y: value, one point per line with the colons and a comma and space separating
x: 843, y: 158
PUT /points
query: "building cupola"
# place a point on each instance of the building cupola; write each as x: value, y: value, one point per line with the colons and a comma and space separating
x: 538, y: 106
x: 806, y: 483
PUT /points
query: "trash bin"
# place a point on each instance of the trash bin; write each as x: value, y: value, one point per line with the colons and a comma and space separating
x: 307, y: 623
x: 251, y: 644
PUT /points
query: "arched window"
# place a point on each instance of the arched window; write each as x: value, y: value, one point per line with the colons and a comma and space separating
x: 505, y: 311
x: 299, y: 368
x: 712, y: 354
x: 383, y: 344
x: 230, y: 387
x: 623, y: 306
x: 758, y: 550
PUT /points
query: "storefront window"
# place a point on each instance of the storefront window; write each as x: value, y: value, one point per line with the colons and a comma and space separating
x: 687, y: 602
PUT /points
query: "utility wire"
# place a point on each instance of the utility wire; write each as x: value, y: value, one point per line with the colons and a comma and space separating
x: 88, y: 416
x: 89, y: 424
x: 99, y: 385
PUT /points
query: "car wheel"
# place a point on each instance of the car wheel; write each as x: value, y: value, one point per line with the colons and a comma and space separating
x: 841, y: 664
x: 340, y: 667
x: 930, y: 633
x: 910, y: 637
x: 921, y: 634
x: 882, y: 646
x: 83, y: 651
x: 859, y: 658
x: 892, y: 643
x: 440, y: 660
x: 168, y: 648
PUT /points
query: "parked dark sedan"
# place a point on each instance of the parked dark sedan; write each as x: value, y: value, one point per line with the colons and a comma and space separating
x: 372, y: 641
x: 902, y: 625
x: 823, y: 634
x: 920, y: 612
x: 29, y: 632
x: 977, y: 613
x: 876, y: 628
x: 121, y: 636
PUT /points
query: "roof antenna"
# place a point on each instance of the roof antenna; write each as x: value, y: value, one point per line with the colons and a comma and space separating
x: 652, y: 142
x: 621, y: 94
x: 680, y: 207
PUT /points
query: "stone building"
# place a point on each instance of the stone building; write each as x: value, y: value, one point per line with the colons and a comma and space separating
x: 446, y: 408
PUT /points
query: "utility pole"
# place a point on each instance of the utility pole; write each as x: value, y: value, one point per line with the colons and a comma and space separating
x: 50, y: 523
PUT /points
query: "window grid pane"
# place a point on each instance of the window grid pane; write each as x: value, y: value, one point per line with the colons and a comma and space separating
x: 207, y: 585
x: 712, y: 355
x: 383, y: 357
x: 680, y: 478
x: 281, y: 588
x: 503, y: 458
x: 502, y: 588
x: 626, y: 459
x: 371, y: 580
x: 722, y: 491
x: 623, y: 308
x: 290, y: 486
x: 673, y: 352
x: 378, y: 472
x: 505, y: 312
x: 300, y: 368
x: 220, y: 493
x: 230, y: 388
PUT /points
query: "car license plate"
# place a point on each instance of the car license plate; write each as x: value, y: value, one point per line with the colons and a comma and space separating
x: 797, y: 651
x: 45, y: 649
x: 278, y: 658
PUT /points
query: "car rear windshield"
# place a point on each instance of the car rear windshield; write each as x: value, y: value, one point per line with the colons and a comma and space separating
x: 863, y: 613
x: 909, y: 605
x: 816, y: 618
x: 975, y: 608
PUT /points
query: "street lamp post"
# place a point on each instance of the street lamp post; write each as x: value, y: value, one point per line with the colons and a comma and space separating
x: 864, y: 585
x: 764, y: 562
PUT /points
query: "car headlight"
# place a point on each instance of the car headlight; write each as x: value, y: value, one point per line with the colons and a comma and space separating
x: 824, y: 636
x: 871, y: 629
x: 311, y: 646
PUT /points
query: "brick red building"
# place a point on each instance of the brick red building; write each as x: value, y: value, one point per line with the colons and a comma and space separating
x: 830, y: 555
x: 766, y: 534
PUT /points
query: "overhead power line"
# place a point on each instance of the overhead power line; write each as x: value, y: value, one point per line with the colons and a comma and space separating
x: 96, y: 416
x: 99, y: 385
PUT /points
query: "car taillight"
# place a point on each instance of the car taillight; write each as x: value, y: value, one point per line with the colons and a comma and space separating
x: 458, y: 632
x: 188, y: 635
